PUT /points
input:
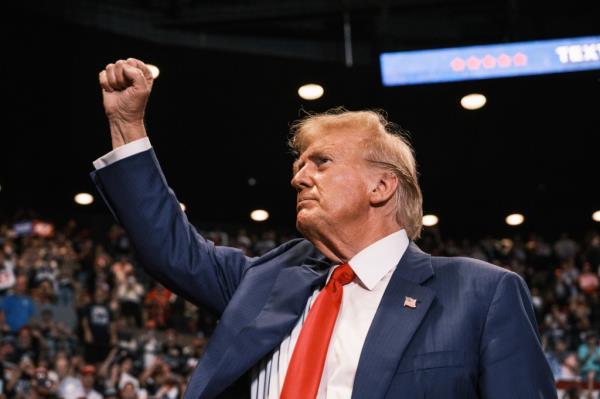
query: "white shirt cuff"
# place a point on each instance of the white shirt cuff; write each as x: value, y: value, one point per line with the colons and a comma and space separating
x: 124, y: 151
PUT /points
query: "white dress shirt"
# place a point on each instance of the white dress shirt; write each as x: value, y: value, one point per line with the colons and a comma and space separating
x: 373, y: 267
x: 124, y: 151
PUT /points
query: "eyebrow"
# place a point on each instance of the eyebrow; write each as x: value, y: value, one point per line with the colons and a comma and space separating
x: 295, y: 166
x: 318, y: 152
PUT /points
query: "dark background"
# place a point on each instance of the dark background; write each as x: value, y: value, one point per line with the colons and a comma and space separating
x: 221, y: 108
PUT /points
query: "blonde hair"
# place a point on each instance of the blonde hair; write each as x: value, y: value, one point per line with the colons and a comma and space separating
x: 386, y: 147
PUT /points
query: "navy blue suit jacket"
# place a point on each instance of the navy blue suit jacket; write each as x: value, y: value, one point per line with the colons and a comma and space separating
x: 472, y: 334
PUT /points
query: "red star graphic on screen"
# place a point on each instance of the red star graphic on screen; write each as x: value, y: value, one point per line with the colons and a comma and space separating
x: 504, y: 60
x: 457, y: 64
x: 473, y: 63
x: 489, y: 61
x: 520, y: 59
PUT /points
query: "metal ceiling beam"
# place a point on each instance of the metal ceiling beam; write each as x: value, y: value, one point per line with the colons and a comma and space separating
x: 423, y: 22
x: 204, y: 13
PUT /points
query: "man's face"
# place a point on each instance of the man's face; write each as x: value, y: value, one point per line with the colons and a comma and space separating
x: 21, y: 285
x: 332, y: 180
x: 87, y: 380
x: 62, y: 366
x: 100, y: 295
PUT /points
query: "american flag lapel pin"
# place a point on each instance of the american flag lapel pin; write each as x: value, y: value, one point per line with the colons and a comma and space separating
x: 410, y: 302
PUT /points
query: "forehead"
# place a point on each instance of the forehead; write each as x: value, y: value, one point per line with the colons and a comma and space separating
x: 331, y: 140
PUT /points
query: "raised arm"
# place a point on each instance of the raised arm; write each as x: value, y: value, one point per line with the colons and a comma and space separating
x: 126, y: 86
x: 136, y: 191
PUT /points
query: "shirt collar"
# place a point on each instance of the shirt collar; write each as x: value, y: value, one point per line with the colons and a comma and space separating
x: 374, y: 262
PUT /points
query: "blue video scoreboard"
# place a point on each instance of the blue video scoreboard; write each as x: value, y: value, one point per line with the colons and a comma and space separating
x: 490, y: 61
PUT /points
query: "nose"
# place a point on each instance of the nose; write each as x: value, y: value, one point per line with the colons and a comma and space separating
x: 301, y: 179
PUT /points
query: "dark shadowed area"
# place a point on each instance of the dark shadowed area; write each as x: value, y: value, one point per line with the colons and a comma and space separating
x: 221, y: 108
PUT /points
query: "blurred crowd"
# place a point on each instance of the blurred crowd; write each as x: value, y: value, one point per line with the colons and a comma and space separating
x: 80, y: 319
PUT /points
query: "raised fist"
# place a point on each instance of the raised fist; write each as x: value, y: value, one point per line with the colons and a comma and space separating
x: 126, y: 86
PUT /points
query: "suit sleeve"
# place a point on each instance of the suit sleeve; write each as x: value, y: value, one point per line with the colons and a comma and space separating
x: 513, y: 364
x: 168, y: 246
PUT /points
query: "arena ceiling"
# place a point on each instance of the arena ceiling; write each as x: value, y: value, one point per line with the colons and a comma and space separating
x: 221, y: 108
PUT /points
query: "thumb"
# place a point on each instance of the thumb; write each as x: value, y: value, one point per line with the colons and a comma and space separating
x: 141, y: 66
x: 136, y: 77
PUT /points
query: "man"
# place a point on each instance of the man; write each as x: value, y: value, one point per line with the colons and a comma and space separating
x: 88, y: 378
x: 7, y: 273
x: 355, y: 309
x: 98, y: 326
x: 18, y: 307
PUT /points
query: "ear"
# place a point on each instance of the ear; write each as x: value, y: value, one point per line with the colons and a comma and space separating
x: 384, y: 188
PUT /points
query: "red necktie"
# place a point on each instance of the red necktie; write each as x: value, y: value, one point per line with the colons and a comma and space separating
x: 306, y: 366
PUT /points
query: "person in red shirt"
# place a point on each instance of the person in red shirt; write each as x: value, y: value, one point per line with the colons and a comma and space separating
x: 158, y: 302
x: 588, y: 280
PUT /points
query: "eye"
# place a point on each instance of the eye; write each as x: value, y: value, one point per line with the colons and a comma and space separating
x: 321, y: 160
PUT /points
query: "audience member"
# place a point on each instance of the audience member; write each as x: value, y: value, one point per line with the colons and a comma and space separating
x: 78, y: 319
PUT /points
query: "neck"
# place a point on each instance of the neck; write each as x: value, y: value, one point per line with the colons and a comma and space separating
x: 340, y: 245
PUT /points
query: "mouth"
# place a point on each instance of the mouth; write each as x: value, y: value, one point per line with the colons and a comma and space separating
x: 303, y: 201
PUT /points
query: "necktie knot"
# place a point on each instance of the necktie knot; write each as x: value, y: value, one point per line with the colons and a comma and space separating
x: 343, y: 274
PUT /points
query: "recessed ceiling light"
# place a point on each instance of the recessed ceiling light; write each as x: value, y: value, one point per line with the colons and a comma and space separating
x: 515, y: 219
x: 596, y: 216
x: 311, y: 91
x: 430, y: 220
x: 84, y: 198
x: 473, y: 101
x: 259, y: 215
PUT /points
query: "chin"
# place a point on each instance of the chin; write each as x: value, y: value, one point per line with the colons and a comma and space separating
x: 306, y: 224
x: 303, y: 222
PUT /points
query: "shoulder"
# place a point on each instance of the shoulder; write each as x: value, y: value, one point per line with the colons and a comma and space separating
x: 295, y: 251
x: 469, y: 267
x: 473, y: 275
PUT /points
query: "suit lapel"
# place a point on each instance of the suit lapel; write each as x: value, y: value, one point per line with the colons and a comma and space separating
x: 285, y: 305
x: 394, y: 324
